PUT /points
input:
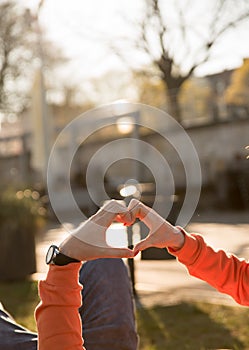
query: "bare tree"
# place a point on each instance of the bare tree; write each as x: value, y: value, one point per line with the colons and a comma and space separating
x: 24, y: 48
x: 179, y: 36
x: 16, y: 54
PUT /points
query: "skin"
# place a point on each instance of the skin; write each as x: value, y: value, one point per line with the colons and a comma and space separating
x: 161, y: 233
x: 79, y: 248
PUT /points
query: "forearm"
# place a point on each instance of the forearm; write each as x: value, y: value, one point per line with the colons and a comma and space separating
x: 58, y: 321
x: 226, y: 273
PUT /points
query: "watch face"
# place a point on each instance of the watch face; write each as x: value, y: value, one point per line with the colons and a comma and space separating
x: 52, y: 251
x: 56, y: 258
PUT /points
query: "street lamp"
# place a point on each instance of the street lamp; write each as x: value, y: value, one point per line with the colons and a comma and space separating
x: 127, y: 123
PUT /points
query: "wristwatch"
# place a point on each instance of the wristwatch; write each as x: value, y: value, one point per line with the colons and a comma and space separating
x: 55, y: 257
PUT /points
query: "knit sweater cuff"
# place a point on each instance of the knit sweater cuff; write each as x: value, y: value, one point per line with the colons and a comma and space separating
x: 57, y: 275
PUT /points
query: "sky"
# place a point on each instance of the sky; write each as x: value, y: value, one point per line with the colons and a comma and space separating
x: 83, y: 29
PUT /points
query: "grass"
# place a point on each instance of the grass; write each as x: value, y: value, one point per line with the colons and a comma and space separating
x: 194, y: 326
x: 20, y: 300
x: 188, y: 325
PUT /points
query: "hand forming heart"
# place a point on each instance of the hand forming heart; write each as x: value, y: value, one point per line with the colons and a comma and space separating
x: 88, y: 241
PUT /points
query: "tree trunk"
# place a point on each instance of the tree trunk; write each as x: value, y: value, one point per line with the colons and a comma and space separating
x: 174, y: 107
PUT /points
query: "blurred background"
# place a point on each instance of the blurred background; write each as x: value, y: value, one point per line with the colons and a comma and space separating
x: 59, y: 59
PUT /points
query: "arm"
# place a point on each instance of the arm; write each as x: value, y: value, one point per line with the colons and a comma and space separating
x: 57, y: 316
x: 58, y: 321
x: 225, y: 272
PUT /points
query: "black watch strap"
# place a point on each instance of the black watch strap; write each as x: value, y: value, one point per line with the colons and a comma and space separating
x: 61, y: 259
x: 55, y: 257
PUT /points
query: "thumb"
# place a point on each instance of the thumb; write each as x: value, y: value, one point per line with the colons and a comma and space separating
x: 119, y: 253
x: 143, y: 244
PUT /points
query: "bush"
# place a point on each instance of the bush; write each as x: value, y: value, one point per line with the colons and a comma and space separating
x: 20, y: 216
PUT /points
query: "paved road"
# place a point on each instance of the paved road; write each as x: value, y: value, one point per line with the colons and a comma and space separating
x: 167, y: 281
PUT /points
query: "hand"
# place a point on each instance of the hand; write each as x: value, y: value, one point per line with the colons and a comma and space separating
x: 162, y: 234
x: 88, y: 241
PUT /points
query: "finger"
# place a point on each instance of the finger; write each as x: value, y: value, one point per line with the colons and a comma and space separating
x: 109, y: 212
x: 133, y: 203
x: 133, y: 208
x: 125, y: 219
x: 119, y: 253
x: 143, y: 244
x: 115, y: 207
x: 138, y: 209
x: 125, y: 216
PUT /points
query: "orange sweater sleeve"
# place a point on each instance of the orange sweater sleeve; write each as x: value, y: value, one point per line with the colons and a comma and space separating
x: 223, y: 271
x: 57, y: 316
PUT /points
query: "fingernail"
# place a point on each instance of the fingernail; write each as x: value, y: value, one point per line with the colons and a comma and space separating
x: 136, y: 252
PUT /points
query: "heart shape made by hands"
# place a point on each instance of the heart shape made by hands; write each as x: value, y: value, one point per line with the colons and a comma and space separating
x: 92, y: 233
x: 93, y: 230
